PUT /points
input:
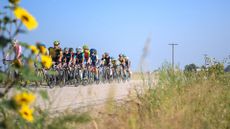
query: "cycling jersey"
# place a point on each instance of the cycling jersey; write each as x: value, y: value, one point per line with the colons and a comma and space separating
x: 79, y: 58
x: 107, y: 61
x: 18, y: 51
x: 86, y: 55
x: 94, y: 59
x: 68, y: 57
x: 122, y: 60
x: 57, y: 54
x: 114, y: 62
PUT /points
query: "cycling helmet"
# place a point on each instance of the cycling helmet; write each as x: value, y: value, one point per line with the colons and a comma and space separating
x: 93, y: 51
x: 71, y: 49
x: 65, y: 49
x: 124, y: 55
x: 106, y: 54
x: 14, y: 41
x: 120, y: 55
x: 79, y: 49
x: 42, y: 45
x: 85, y: 47
x: 56, y: 43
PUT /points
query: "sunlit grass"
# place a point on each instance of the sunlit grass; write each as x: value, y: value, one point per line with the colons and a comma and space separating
x: 178, y: 101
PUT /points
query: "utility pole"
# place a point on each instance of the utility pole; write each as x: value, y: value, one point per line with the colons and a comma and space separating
x: 205, y: 60
x: 173, y: 44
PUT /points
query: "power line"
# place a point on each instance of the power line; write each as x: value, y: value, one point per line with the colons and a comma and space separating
x: 173, y: 44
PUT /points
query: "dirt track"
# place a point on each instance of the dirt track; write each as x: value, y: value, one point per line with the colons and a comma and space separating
x: 70, y: 97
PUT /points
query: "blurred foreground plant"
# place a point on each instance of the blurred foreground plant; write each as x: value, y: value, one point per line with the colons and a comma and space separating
x: 18, y: 111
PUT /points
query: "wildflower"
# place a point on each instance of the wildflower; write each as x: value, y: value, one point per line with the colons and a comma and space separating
x: 34, y: 49
x: 17, y: 63
x: 26, y: 113
x: 27, y: 19
x: 24, y: 98
x: 14, y: 1
x: 46, y: 61
x: 30, y: 63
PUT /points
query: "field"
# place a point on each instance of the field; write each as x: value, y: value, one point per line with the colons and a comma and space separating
x: 177, y: 101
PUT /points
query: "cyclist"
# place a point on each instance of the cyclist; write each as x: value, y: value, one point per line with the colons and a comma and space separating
x: 114, y: 64
x: 127, y: 64
x: 107, y: 62
x: 94, y: 61
x: 79, y: 57
x: 79, y: 60
x: 51, y: 51
x: 102, y: 61
x: 121, y: 60
x: 93, y: 57
x: 86, y: 54
x: 65, y: 53
x: 71, y: 54
x: 57, y: 57
x: 17, y: 49
x: 42, y: 48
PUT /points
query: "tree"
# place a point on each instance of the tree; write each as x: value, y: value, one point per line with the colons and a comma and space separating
x: 190, y: 68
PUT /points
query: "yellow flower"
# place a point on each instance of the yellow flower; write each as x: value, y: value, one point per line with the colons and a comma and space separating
x: 26, y: 113
x: 24, y: 98
x: 34, y: 49
x: 14, y: 1
x: 46, y: 61
x: 17, y: 63
x: 27, y: 19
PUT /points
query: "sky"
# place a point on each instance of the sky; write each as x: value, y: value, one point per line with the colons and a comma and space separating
x: 123, y: 26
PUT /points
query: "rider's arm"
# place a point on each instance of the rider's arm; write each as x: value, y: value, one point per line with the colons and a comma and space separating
x: 18, y: 51
x: 60, y: 58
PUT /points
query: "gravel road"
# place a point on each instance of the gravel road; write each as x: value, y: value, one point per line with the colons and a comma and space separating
x: 70, y: 97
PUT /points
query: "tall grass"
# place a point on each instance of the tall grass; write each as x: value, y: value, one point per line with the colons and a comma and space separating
x: 178, y: 101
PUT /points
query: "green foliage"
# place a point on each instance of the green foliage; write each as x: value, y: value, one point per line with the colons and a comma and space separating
x: 195, y: 101
x: 44, y: 94
x: 216, y: 70
x: 64, y: 121
x: 190, y: 68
